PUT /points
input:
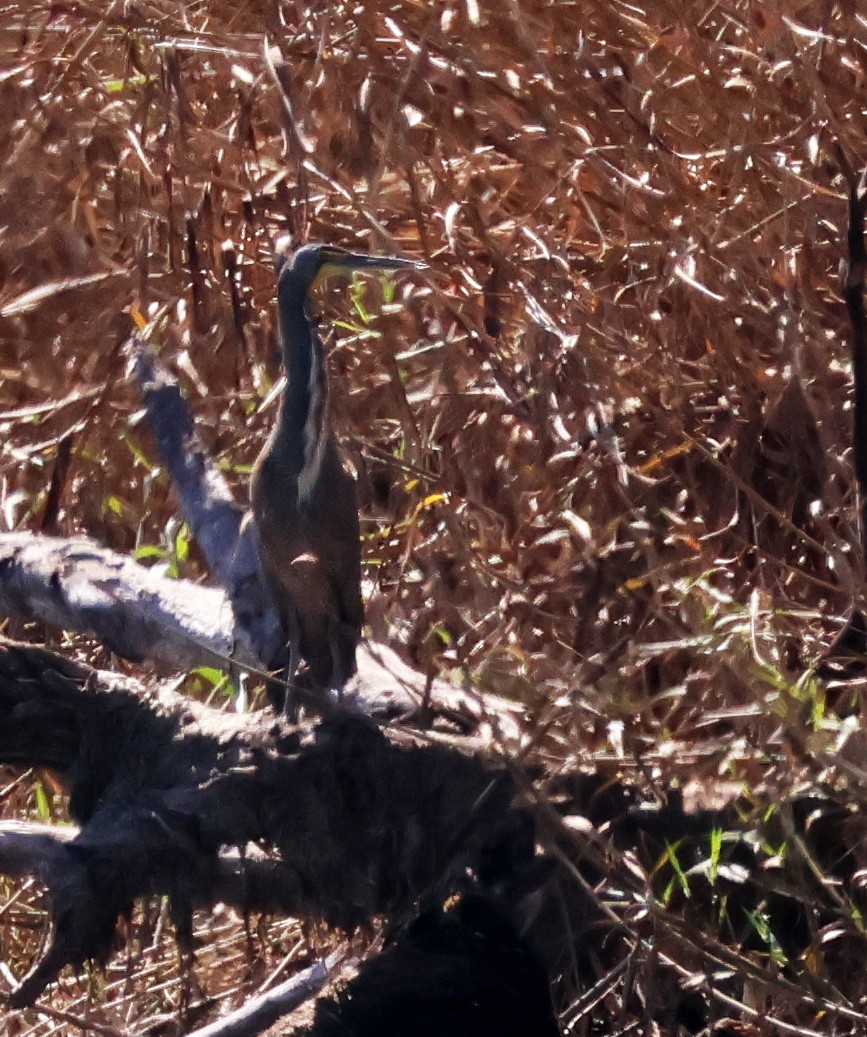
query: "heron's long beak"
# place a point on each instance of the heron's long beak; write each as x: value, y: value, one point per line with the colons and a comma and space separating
x: 350, y: 261
x: 360, y: 261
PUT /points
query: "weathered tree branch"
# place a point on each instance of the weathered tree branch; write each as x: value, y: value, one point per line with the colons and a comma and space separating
x: 257, y: 1015
x: 221, y: 527
x: 138, y: 613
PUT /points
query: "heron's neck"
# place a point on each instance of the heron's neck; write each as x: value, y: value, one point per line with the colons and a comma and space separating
x: 300, y: 433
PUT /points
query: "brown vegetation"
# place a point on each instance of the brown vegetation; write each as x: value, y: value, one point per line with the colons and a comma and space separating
x: 602, y: 445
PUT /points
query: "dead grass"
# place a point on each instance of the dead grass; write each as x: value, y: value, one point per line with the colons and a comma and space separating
x: 603, y: 443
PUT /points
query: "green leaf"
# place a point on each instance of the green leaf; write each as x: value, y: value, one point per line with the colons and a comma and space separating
x: 116, y: 86
x: 182, y: 542
x: 137, y: 452
x: 146, y: 551
x: 43, y: 806
x: 210, y: 674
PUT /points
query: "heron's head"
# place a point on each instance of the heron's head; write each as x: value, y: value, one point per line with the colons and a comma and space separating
x: 309, y: 265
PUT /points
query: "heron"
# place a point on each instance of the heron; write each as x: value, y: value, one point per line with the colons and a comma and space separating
x: 303, y: 493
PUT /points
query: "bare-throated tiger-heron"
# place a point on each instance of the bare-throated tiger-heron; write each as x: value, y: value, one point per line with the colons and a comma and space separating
x: 303, y: 495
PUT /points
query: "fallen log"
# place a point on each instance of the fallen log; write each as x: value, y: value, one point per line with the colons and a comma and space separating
x: 339, y: 822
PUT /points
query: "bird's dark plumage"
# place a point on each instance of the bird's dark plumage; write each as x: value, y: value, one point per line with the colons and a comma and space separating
x: 303, y: 496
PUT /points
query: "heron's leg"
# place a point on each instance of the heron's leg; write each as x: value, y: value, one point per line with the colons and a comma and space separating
x: 293, y: 637
x: 341, y: 642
